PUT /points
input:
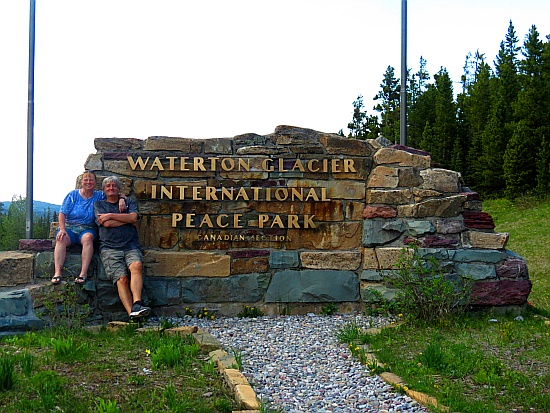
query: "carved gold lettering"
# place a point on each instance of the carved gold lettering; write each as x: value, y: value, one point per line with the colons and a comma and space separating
x: 281, y: 194
x: 211, y: 193
x: 171, y: 162
x: 278, y: 222
x: 205, y: 221
x: 242, y: 194
x: 196, y: 195
x: 158, y: 164
x: 310, y: 165
x: 312, y: 195
x: 220, y: 220
x: 293, y: 221
x: 198, y: 164
x: 265, y: 166
x: 282, y: 166
x: 349, y: 165
x: 298, y: 164
x: 189, y: 220
x: 227, y: 164
x: 237, y: 221
x: 176, y: 218
x: 165, y: 191
x: 335, y: 163
x: 183, y: 163
x: 308, y: 221
x: 138, y: 162
x: 262, y: 219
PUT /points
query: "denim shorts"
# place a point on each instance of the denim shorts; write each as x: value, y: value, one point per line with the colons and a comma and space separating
x: 75, y: 232
x: 116, y: 262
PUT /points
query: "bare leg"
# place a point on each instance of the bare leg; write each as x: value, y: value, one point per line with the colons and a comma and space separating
x: 87, y: 241
x: 136, y: 280
x: 59, y: 255
x: 125, y: 294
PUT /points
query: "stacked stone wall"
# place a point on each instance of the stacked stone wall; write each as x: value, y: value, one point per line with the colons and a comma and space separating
x: 299, y: 217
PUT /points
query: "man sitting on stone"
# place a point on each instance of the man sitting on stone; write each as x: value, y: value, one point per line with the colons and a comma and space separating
x: 119, y: 247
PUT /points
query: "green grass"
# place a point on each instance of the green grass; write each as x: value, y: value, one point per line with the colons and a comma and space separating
x: 54, y: 370
x: 528, y: 223
x: 471, y: 364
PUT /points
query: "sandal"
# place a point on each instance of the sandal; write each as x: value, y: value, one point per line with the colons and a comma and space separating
x: 56, y: 279
x: 81, y: 279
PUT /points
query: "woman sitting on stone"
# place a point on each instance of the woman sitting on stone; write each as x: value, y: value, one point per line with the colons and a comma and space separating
x: 77, y: 225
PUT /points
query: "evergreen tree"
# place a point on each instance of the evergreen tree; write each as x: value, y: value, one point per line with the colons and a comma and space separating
x: 499, y: 128
x: 517, y: 159
x: 388, y: 107
x: 362, y: 126
x: 445, y: 124
x: 543, y: 167
x: 418, y: 107
x: 532, y: 111
x: 477, y: 108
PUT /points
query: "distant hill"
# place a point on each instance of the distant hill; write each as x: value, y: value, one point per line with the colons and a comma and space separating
x: 39, y: 207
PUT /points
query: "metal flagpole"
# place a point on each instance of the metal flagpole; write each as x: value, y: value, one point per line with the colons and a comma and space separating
x: 403, y: 96
x: 30, y: 125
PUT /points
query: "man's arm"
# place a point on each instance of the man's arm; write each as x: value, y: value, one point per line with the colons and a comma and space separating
x: 112, y: 220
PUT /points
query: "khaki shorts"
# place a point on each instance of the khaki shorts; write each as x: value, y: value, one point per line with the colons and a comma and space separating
x: 116, y: 262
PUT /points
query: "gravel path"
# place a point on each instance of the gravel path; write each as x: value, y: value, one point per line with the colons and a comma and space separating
x: 296, y: 363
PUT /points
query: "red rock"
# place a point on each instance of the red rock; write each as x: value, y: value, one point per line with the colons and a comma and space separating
x: 478, y: 220
x: 379, y: 212
x: 499, y: 293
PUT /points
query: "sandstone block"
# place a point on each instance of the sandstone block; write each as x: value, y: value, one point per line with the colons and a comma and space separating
x: 321, y: 260
x: 186, y: 264
x: 341, y: 189
x: 325, y: 211
x: 15, y: 268
x: 327, y: 236
x: 389, y: 196
x: 234, y: 377
x: 246, y: 396
x: 218, y: 146
x: 443, y: 207
x: 165, y: 143
x: 389, y: 257
x: 442, y: 180
x: 488, y: 240
x: 513, y: 268
x: 117, y: 144
x: 478, y: 220
x: 354, y: 211
x: 386, y: 156
x: 383, y: 177
x: 370, y: 261
x: 249, y: 265
x: 450, y: 225
x: 337, y: 145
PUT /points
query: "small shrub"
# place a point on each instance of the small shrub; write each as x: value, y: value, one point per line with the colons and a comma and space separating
x: 250, y: 312
x: 424, y: 292
x: 329, y: 309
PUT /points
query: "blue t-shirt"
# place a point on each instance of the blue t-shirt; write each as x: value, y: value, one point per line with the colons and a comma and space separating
x: 79, y: 210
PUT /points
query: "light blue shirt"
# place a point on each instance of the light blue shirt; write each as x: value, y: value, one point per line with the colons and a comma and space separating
x: 79, y: 210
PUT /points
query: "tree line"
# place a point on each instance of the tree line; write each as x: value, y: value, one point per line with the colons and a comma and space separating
x: 13, y: 226
x: 496, y: 132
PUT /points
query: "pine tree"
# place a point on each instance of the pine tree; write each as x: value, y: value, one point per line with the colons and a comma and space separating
x: 388, y: 107
x: 532, y: 111
x: 445, y: 125
x: 499, y: 128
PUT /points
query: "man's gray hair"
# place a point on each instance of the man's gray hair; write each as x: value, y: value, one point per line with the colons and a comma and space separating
x: 109, y: 180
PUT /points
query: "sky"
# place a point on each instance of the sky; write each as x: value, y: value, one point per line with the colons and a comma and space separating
x: 215, y: 68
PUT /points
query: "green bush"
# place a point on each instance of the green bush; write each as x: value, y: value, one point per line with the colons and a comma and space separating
x: 426, y: 294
